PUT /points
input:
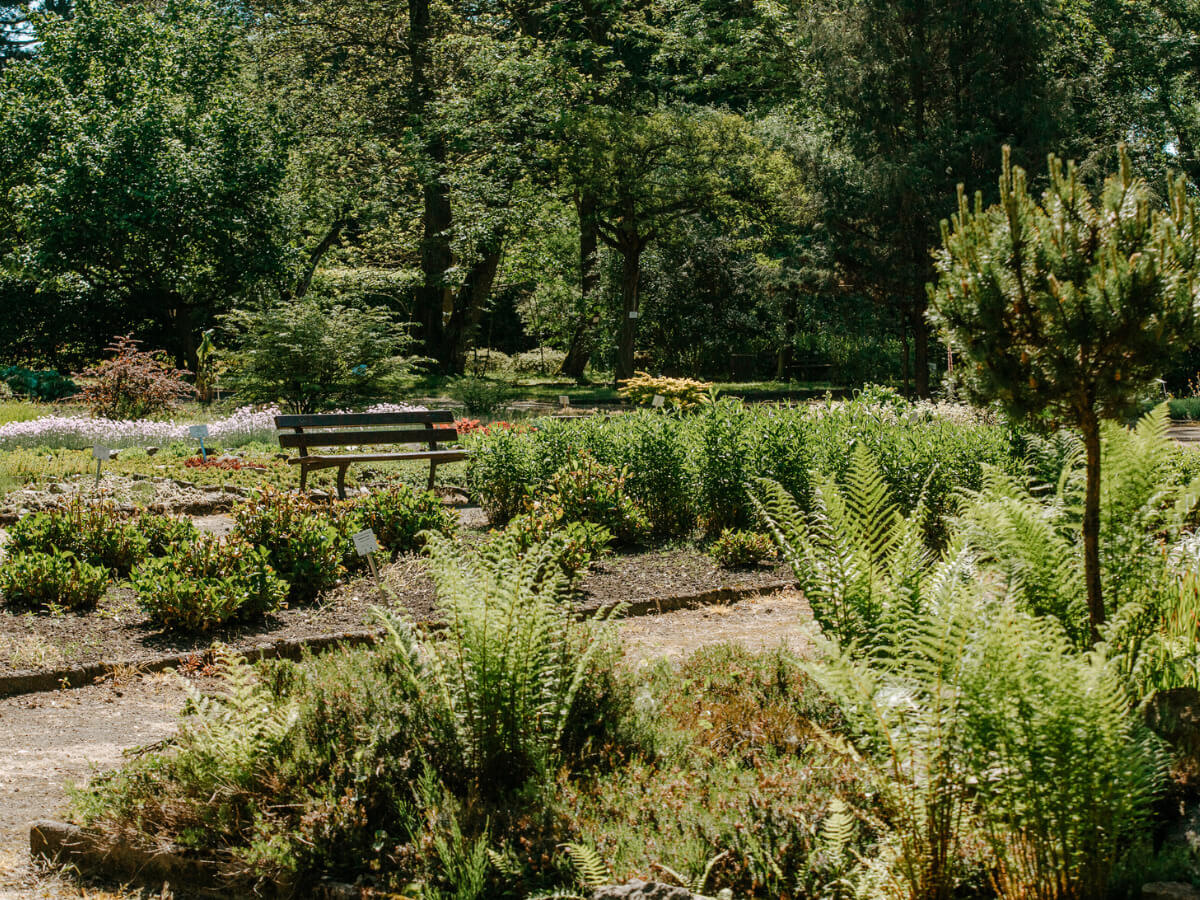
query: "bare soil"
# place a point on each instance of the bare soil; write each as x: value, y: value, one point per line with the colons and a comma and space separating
x: 118, y: 631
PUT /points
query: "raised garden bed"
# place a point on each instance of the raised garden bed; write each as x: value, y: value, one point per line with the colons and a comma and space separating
x: 118, y: 632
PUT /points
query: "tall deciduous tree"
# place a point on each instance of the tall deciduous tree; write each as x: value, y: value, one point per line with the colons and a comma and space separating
x: 1065, y: 309
x: 923, y: 93
x: 131, y: 165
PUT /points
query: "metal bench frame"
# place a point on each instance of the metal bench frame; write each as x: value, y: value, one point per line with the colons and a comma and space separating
x: 365, y: 430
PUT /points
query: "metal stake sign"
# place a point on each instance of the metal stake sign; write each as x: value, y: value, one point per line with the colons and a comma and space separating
x: 199, y: 432
x: 365, y: 544
x: 659, y: 401
x: 100, y: 453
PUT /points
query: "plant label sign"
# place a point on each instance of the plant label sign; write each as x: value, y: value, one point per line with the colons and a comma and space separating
x: 100, y: 453
x: 199, y: 432
x: 365, y: 542
x: 633, y: 314
x: 659, y: 401
x: 564, y: 400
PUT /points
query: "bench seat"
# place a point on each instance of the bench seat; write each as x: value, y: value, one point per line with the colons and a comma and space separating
x: 343, y: 430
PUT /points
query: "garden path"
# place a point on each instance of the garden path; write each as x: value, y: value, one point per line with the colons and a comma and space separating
x: 49, y: 740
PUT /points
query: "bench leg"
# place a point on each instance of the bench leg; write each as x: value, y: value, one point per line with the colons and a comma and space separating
x: 303, y: 477
x: 432, y: 473
x: 341, y: 482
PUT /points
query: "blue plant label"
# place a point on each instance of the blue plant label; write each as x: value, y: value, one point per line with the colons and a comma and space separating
x: 365, y: 542
x: 199, y: 432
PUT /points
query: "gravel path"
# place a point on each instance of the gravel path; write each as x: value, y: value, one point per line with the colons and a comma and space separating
x: 52, y: 739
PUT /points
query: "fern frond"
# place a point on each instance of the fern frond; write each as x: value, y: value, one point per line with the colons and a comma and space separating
x: 589, y: 868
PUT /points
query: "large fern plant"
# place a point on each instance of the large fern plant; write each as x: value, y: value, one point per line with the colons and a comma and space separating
x: 511, y: 659
x: 860, y: 562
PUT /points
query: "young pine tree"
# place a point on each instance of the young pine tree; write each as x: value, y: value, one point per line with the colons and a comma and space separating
x: 1065, y: 309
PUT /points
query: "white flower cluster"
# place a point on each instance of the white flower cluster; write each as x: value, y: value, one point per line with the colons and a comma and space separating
x: 79, y: 432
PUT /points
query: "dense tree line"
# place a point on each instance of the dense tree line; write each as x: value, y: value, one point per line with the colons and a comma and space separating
x: 663, y: 182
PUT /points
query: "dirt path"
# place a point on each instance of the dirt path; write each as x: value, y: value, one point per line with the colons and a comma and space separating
x: 52, y: 739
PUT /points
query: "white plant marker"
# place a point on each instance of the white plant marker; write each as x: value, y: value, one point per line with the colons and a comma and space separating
x: 659, y: 401
x: 564, y: 401
x: 365, y: 544
x: 199, y: 432
x: 633, y: 314
x: 100, y: 453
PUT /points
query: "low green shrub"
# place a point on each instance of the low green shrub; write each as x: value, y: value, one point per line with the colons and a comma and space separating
x: 585, y: 490
x: 164, y: 533
x: 1184, y: 407
x: 737, y: 549
x: 46, y: 385
x: 207, y: 583
x: 577, y: 543
x: 398, y: 515
x: 500, y: 471
x: 95, y: 531
x: 479, y: 396
x: 31, y: 579
x: 303, y: 546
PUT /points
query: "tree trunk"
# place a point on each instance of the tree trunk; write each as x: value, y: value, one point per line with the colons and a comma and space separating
x: 1091, y: 524
x: 435, y: 302
x: 315, y: 255
x: 580, y: 349
x: 468, y: 309
x: 631, y: 258
x: 921, y: 353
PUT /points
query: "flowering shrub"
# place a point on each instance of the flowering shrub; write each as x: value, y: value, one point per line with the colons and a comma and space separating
x: 226, y: 463
x: 208, y: 582
x: 54, y: 579
x: 133, y: 382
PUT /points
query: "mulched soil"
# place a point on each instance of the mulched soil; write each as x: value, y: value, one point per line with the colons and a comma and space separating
x: 118, y: 631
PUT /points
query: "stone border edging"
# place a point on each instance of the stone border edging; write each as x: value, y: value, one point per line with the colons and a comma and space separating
x: 291, y: 648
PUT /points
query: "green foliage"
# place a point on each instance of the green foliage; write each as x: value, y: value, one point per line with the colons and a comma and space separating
x: 721, y: 466
x: 859, y: 561
x: 511, y: 661
x: 585, y: 490
x: 738, y: 549
x: 163, y: 533
x: 312, y: 355
x: 1025, y: 285
x: 479, y: 396
x: 301, y: 544
x: 144, y: 184
x: 500, y: 470
x: 47, y: 385
x: 207, y: 583
x: 1033, y: 538
x: 51, y: 580
x: 578, y: 543
x: 97, y: 532
x: 398, y: 515
x: 1184, y: 408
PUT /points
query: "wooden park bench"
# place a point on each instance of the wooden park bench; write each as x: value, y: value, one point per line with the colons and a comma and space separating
x: 344, y: 430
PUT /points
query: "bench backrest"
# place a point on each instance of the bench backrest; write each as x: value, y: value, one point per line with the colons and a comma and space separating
x: 360, y: 429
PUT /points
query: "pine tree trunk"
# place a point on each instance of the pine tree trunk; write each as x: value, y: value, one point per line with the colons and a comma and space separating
x: 1091, y: 524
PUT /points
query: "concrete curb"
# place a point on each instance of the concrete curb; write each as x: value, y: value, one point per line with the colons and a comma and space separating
x: 292, y: 648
